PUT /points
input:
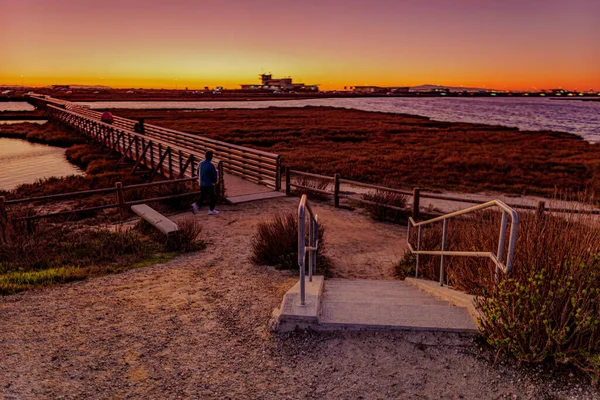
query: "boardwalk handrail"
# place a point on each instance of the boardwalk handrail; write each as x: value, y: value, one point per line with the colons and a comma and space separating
x: 254, y: 165
x: 313, y: 244
x: 496, y: 258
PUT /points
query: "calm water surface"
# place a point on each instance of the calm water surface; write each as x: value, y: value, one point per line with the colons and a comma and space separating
x: 24, y: 162
x: 15, y: 106
x: 578, y: 117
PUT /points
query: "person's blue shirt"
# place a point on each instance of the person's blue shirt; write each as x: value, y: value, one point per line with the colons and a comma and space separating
x: 207, y: 173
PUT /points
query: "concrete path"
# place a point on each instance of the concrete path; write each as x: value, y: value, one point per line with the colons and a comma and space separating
x: 348, y: 304
x: 365, y: 304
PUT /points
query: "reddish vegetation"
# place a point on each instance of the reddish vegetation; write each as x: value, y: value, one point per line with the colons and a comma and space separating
x: 401, y: 150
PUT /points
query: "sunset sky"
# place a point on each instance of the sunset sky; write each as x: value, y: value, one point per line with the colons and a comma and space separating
x: 503, y: 44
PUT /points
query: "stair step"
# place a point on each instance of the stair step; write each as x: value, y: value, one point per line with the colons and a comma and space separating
x: 384, y: 300
x: 342, y: 315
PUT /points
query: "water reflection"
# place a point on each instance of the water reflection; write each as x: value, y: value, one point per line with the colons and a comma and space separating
x: 24, y: 162
x: 16, y: 106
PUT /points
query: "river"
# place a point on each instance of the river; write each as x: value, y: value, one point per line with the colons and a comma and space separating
x: 24, y: 162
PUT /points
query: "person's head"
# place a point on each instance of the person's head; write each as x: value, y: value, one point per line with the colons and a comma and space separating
x: 208, y: 155
x: 141, y: 120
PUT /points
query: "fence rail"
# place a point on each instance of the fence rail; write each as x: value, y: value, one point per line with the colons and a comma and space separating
x: 336, y: 193
x: 120, y: 202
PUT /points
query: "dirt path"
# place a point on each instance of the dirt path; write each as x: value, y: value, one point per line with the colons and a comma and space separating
x: 196, y: 328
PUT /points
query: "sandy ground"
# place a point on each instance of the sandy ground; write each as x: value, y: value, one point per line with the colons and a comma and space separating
x: 196, y: 328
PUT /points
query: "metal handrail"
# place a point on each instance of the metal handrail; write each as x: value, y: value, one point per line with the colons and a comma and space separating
x: 496, y: 258
x: 313, y: 244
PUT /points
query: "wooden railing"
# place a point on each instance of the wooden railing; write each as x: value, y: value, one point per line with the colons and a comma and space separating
x: 336, y: 194
x: 120, y: 201
x: 165, y: 151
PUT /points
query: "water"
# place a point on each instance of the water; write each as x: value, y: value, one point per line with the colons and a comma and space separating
x: 24, y: 162
x: 15, y: 106
x: 579, y: 117
x: 21, y: 121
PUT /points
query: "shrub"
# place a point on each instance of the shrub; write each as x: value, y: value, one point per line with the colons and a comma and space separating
x: 405, y: 267
x: 383, y: 198
x: 552, y: 314
x: 547, y: 308
x: 187, y: 238
x: 276, y: 243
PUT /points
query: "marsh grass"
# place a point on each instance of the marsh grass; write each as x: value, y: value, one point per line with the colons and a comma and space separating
x: 311, y: 188
x: 43, y: 254
x: 383, y: 198
x: 406, y: 150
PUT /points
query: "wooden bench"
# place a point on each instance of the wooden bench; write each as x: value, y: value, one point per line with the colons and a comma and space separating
x: 156, y: 219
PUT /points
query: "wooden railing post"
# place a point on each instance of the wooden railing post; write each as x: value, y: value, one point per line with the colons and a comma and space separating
x: 336, y: 190
x: 221, y: 187
x: 121, y: 199
x: 288, y: 188
x: 278, y: 174
x: 3, y: 220
x: 416, y: 201
x: 541, y: 207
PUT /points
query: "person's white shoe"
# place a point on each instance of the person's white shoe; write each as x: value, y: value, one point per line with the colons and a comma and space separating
x: 195, y: 208
x: 213, y: 212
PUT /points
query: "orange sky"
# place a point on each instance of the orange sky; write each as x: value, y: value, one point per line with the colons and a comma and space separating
x: 505, y: 44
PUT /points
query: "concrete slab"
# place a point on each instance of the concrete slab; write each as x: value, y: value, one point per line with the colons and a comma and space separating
x: 352, y: 316
x: 292, y: 315
x: 455, y: 297
x: 159, y: 221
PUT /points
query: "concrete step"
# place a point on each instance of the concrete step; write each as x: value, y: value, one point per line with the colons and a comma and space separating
x: 384, y: 300
x: 343, y: 315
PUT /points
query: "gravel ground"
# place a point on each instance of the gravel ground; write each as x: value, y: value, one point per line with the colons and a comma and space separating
x: 196, y: 328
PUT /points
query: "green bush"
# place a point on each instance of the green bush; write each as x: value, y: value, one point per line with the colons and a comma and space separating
x: 44, y: 253
x: 552, y: 314
x: 547, y: 308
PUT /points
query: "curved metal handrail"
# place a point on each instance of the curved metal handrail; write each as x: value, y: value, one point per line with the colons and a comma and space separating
x: 496, y: 258
x: 313, y: 243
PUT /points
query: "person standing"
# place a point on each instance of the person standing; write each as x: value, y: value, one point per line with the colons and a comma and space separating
x: 107, y: 117
x: 208, y: 177
x: 139, y: 127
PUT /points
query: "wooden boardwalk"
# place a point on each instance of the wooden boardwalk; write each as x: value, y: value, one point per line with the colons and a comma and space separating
x: 249, y: 174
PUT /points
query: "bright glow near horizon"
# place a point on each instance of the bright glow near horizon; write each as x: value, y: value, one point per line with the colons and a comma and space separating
x: 506, y: 44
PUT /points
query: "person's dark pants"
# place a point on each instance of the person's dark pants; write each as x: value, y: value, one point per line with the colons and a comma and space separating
x: 207, y: 191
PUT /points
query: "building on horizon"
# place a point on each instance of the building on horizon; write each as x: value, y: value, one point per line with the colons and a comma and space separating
x: 279, y: 84
x: 381, y: 89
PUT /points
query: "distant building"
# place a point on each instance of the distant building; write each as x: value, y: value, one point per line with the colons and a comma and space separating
x: 279, y: 84
x: 61, y: 87
x: 381, y: 89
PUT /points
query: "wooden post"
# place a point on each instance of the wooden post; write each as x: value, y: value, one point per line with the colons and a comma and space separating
x: 336, y: 190
x: 121, y: 199
x: 221, y: 181
x: 170, y: 165
x: 416, y: 201
x: 288, y: 189
x: 541, y: 207
x: 278, y: 175
x: 3, y: 220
